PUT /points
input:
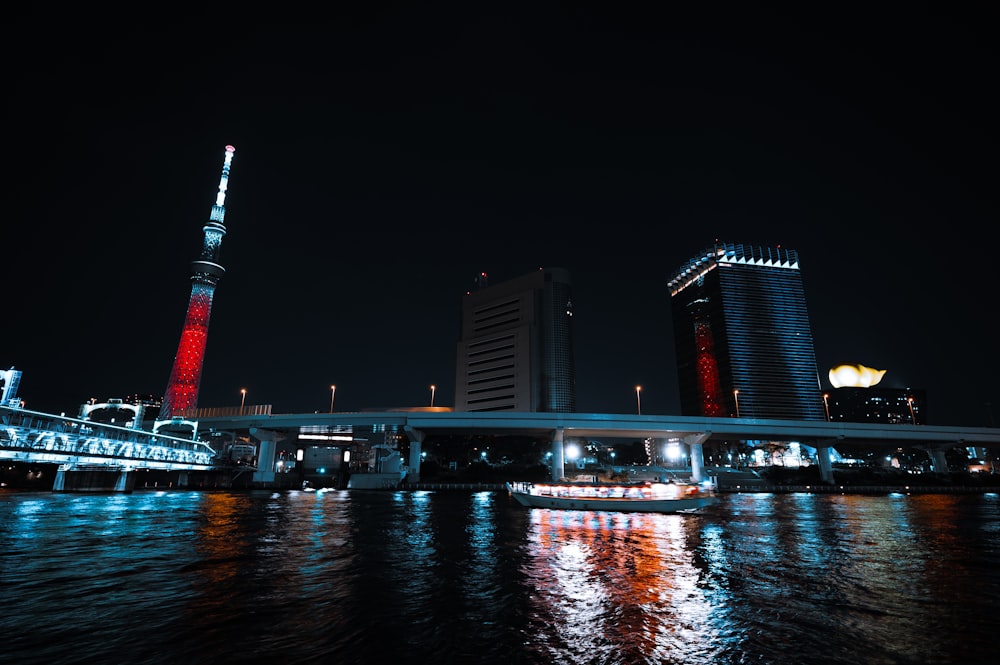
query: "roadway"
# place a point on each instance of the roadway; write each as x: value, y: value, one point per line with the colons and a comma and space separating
x: 419, y: 423
x: 612, y: 426
x: 37, y: 435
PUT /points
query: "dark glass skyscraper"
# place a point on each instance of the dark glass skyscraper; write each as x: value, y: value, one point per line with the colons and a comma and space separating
x: 516, y: 347
x: 742, y: 337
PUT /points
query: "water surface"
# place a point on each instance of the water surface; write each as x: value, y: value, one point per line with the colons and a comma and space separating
x: 463, y: 577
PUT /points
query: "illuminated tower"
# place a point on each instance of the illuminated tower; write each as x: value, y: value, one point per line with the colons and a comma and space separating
x: 185, y: 377
x: 743, y: 341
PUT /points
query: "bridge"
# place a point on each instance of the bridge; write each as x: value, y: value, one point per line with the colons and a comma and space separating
x: 32, y: 436
x: 101, y: 456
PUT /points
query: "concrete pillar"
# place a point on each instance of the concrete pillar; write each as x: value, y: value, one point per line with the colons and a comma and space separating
x: 697, y: 462
x: 59, y: 484
x: 266, y: 453
x: 93, y: 478
x: 416, y: 437
x: 697, y: 452
x: 939, y: 462
x: 825, y: 466
x: 558, y: 455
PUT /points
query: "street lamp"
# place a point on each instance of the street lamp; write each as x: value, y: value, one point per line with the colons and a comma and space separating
x: 826, y: 405
x: 638, y: 402
x: 736, y: 396
x: 243, y: 399
x: 333, y: 393
x: 913, y: 418
x: 433, y: 388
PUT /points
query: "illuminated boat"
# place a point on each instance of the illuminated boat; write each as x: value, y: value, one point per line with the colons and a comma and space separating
x: 656, y: 497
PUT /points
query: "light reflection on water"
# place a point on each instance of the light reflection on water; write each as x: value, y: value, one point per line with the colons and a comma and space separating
x: 614, y: 587
x: 457, y: 577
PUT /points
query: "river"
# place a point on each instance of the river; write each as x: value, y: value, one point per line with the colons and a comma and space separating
x: 471, y: 577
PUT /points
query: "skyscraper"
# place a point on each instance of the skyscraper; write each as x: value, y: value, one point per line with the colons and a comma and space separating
x: 185, y: 377
x: 743, y: 342
x: 515, y: 352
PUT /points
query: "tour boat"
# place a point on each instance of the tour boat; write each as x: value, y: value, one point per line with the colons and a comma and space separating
x: 653, y: 497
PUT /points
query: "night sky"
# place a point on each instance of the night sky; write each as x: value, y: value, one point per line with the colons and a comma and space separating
x: 384, y: 159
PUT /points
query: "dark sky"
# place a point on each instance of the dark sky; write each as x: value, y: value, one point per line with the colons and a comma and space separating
x: 384, y: 159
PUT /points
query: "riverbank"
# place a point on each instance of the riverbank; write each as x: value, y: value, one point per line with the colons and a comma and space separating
x: 862, y: 489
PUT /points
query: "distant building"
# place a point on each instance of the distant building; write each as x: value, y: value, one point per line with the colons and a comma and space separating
x: 890, y: 406
x: 743, y: 341
x: 515, y: 351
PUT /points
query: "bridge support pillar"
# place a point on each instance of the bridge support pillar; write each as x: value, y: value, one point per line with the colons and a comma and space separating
x: 93, y: 478
x: 825, y: 466
x: 416, y: 437
x: 697, y: 451
x: 558, y: 455
x: 939, y: 463
x: 265, y: 453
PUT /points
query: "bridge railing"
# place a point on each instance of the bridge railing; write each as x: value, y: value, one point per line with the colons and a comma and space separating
x: 225, y: 411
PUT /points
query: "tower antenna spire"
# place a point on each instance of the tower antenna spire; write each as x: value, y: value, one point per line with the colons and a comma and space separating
x: 206, y: 271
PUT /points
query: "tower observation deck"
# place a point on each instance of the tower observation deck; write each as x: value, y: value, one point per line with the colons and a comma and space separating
x: 185, y: 377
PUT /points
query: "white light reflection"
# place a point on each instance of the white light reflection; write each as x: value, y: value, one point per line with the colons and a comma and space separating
x: 617, y: 587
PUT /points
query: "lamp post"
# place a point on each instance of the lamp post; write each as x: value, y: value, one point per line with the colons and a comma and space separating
x: 638, y: 401
x: 433, y: 388
x: 243, y: 399
x: 913, y: 417
x: 826, y: 405
x: 736, y: 396
x: 333, y: 393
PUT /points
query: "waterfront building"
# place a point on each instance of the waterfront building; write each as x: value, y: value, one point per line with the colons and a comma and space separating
x: 515, y: 351
x: 743, y: 341
x: 887, y: 406
x: 185, y: 376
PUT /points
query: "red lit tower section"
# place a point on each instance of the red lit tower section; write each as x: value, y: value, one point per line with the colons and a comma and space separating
x: 708, y: 370
x: 185, y: 377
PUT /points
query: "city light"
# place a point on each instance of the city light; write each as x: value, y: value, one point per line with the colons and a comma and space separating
x: 243, y: 399
x: 333, y: 393
x: 736, y: 396
x: 638, y: 402
x: 433, y: 388
x: 826, y: 405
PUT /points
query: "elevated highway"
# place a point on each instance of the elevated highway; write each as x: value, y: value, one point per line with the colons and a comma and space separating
x: 39, y: 437
x: 559, y: 428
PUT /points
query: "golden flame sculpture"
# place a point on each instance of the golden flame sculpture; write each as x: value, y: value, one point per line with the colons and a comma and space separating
x: 855, y: 376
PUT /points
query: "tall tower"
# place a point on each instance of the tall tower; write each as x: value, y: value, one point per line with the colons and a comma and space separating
x: 516, y: 346
x: 185, y: 377
x: 743, y: 341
